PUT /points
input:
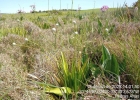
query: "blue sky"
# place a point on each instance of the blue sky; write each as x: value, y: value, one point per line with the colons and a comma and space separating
x: 11, y: 6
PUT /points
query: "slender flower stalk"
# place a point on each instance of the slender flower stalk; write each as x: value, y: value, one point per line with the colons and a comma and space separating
x: 79, y: 8
x: 54, y: 31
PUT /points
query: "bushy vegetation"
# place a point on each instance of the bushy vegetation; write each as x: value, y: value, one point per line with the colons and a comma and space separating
x: 67, y: 54
x: 137, y: 4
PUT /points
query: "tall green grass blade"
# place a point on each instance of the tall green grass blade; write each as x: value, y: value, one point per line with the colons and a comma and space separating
x: 114, y: 65
x: 106, y: 57
x: 64, y: 63
x: 106, y: 53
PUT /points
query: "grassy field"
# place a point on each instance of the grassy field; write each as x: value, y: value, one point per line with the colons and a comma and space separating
x: 64, y: 55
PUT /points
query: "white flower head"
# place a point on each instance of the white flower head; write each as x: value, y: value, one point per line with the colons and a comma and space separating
x: 26, y: 39
x: 74, y: 22
x: 14, y: 43
x: 76, y: 32
x: 80, y: 52
x: 18, y: 20
x: 106, y: 29
x: 57, y: 24
x: 54, y: 29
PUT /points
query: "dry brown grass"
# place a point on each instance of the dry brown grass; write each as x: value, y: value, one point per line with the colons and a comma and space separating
x: 35, y: 56
x: 15, y: 65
